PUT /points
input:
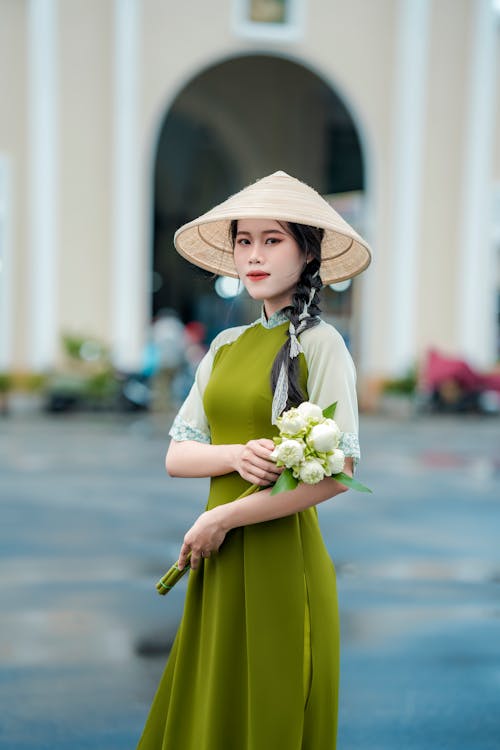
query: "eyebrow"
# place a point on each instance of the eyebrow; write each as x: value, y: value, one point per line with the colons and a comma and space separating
x: 264, y: 231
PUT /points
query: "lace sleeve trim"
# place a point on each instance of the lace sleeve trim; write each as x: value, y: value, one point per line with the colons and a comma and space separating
x: 349, y: 444
x: 182, y: 430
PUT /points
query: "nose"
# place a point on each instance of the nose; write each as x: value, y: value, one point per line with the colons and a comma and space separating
x: 255, y: 254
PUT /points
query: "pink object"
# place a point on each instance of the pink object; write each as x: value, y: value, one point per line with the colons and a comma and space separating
x: 195, y: 331
x: 438, y: 368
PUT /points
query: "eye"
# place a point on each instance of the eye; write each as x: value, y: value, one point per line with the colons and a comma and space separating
x: 242, y: 241
x: 272, y: 240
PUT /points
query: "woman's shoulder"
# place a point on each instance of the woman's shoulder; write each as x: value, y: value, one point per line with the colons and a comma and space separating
x: 321, y: 335
x: 324, y: 346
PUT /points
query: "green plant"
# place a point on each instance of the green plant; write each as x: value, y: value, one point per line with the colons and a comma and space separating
x: 72, y: 345
x: 6, y: 382
x: 404, y: 386
x: 84, y: 348
x: 29, y: 382
x: 101, y: 385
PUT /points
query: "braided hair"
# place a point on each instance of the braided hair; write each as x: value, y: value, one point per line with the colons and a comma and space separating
x: 303, y: 311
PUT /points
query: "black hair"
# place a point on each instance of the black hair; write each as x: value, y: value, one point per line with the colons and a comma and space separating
x: 309, y: 240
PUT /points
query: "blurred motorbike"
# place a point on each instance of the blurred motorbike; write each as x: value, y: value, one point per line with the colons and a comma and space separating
x: 452, y: 385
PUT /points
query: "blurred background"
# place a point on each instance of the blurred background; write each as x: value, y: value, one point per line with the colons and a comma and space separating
x: 121, y: 120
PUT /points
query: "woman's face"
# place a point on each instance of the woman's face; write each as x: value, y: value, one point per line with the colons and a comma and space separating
x: 268, y: 261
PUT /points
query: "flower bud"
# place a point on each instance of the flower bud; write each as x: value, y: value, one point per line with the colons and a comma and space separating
x: 336, y: 461
x: 291, y: 423
x: 324, y: 437
x: 311, y: 471
x: 310, y: 411
x: 289, y: 452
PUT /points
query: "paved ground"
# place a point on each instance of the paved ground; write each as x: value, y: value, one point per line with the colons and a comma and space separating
x: 89, y: 520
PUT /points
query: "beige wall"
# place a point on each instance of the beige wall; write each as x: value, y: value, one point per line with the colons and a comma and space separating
x: 13, y: 139
x: 351, y: 45
x: 86, y: 159
x: 444, y: 155
x: 496, y: 162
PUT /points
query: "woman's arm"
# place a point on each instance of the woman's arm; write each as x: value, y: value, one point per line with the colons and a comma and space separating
x: 189, y: 458
x: 262, y: 506
x: 208, y: 532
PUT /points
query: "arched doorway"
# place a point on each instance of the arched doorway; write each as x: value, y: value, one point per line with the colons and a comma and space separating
x: 233, y: 123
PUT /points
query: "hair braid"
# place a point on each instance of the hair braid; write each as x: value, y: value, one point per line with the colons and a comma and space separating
x: 309, y: 280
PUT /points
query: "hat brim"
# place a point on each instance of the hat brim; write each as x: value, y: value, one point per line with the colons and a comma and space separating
x: 206, y: 241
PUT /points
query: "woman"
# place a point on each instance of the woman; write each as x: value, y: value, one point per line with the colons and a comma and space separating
x: 255, y: 663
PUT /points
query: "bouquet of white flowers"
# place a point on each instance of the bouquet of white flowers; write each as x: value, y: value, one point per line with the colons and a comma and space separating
x: 308, y: 448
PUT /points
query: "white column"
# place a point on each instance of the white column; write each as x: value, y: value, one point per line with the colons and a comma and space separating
x: 42, y: 273
x: 6, y: 266
x: 411, y: 61
x: 127, y: 272
x: 476, y: 269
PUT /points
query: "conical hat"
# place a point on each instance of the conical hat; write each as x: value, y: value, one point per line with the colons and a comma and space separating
x: 205, y: 241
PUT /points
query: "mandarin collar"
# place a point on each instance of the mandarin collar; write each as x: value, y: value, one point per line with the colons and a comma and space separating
x: 276, y: 319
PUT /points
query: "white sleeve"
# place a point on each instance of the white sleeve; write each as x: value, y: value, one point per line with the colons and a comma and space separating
x: 332, y: 377
x: 190, y: 422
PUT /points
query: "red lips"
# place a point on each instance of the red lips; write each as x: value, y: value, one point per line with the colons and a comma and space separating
x: 257, y: 275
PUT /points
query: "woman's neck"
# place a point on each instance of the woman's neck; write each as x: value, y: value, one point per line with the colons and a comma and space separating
x: 270, y: 307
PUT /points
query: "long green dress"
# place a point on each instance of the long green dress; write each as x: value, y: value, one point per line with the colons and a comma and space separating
x: 255, y: 663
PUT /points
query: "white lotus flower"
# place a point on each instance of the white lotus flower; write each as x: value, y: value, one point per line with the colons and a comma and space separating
x: 291, y: 423
x: 310, y: 411
x: 336, y: 461
x: 325, y: 436
x: 289, y: 452
x: 311, y: 471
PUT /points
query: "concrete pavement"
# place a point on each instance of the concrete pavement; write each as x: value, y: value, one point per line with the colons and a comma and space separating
x: 90, y: 520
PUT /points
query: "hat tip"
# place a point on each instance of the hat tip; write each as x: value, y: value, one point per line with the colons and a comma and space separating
x: 280, y: 173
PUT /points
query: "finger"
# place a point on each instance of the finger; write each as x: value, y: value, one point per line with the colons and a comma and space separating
x: 261, y: 465
x: 263, y: 451
x: 267, y: 443
x: 185, y: 550
x: 261, y: 481
x: 268, y: 473
x: 253, y: 478
x: 195, y: 560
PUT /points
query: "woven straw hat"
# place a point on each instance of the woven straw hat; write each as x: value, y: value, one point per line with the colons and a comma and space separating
x: 206, y: 241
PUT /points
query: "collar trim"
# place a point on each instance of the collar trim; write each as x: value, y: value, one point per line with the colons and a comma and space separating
x: 276, y: 319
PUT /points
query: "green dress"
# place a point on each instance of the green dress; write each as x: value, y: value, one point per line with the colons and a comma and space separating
x: 255, y: 662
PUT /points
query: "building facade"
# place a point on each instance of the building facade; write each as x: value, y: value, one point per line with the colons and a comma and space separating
x: 121, y: 120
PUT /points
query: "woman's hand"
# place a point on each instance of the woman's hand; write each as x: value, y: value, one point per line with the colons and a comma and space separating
x: 204, y: 537
x: 253, y: 462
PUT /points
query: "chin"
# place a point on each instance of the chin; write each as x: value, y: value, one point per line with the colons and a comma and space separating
x: 256, y: 294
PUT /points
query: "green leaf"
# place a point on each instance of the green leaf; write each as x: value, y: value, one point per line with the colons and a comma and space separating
x: 286, y: 481
x: 351, y: 482
x: 329, y: 411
